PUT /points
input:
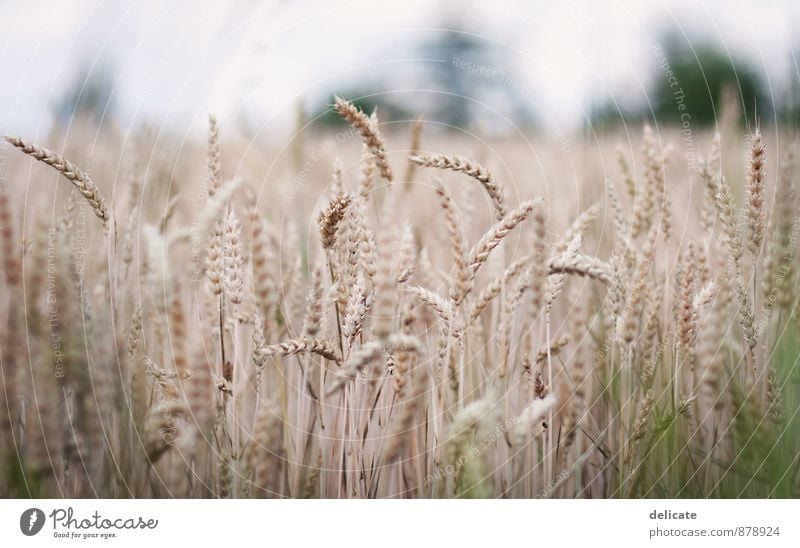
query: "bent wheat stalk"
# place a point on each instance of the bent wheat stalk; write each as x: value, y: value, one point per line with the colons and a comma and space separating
x: 495, y: 235
x: 368, y: 129
x: 69, y: 170
x: 467, y: 167
x: 582, y: 265
x: 300, y: 345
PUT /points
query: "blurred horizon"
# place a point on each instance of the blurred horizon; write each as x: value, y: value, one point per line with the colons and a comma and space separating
x: 261, y: 67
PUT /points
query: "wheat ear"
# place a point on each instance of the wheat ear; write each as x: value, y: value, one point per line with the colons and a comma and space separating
x: 213, y: 160
x: 460, y: 279
x: 467, y: 167
x: 69, y: 170
x: 755, y: 193
x: 303, y: 344
x: 368, y: 129
x: 497, y: 233
x: 330, y: 219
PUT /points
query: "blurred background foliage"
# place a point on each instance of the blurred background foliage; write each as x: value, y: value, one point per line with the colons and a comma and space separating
x: 89, y: 96
x: 449, y: 94
x: 706, y: 75
x: 692, y: 83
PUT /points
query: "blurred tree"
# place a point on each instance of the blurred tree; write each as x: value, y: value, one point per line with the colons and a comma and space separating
x: 691, y: 84
x: 90, y: 96
x: 462, y: 80
x: 472, y: 76
x: 696, y: 86
x: 789, y: 107
x: 458, y: 84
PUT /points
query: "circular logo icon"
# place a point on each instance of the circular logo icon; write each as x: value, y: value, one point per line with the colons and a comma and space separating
x: 31, y: 521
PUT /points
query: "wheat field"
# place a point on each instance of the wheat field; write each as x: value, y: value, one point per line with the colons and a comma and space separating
x: 389, y: 312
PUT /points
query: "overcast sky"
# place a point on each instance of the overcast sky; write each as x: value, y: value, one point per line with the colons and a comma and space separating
x: 174, y: 62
